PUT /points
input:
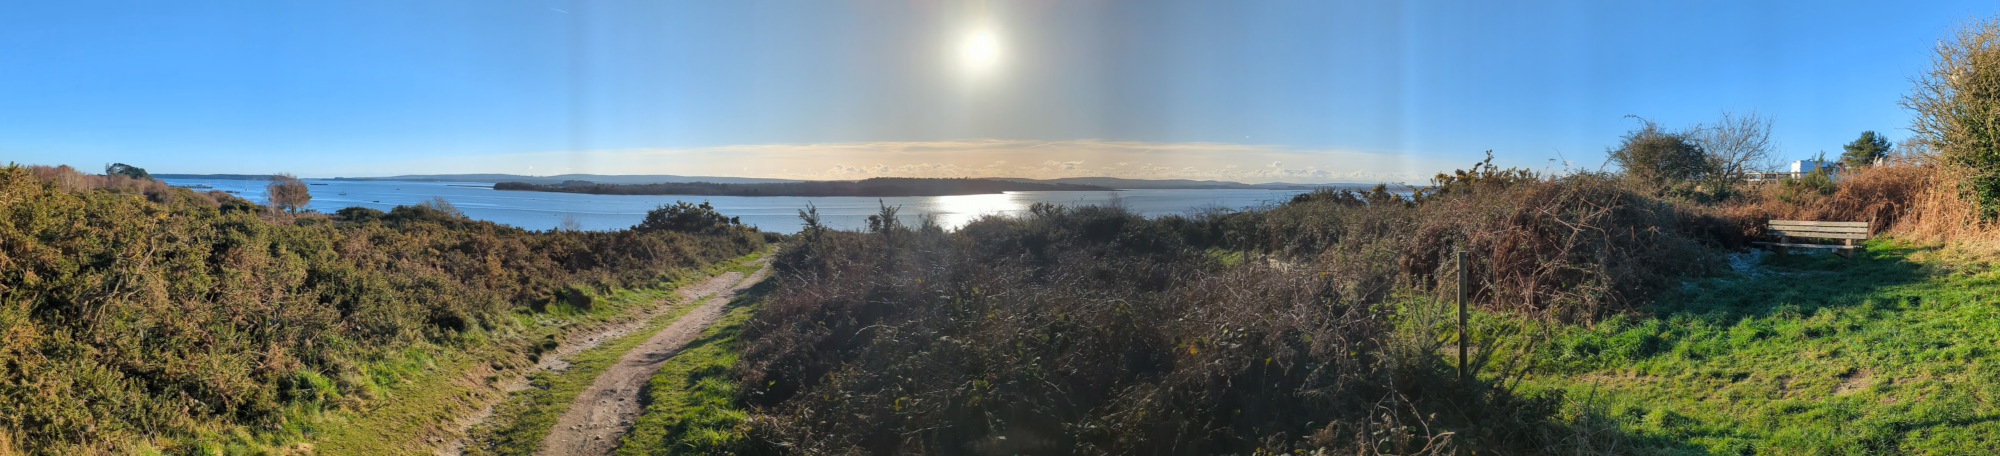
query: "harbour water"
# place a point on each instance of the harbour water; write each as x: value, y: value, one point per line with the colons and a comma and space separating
x: 541, y: 210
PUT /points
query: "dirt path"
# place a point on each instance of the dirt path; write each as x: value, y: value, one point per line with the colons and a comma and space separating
x: 557, y: 359
x: 604, y: 412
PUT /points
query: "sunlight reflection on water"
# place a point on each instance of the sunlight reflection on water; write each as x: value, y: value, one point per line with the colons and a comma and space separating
x: 541, y: 211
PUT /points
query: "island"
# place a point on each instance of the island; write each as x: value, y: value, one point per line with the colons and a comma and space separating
x: 875, y: 187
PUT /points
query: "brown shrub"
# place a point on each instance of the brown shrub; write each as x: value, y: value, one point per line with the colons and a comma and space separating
x: 1942, y: 210
x: 1574, y: 248
x: 1904, y: 199
x: 1883, y: 197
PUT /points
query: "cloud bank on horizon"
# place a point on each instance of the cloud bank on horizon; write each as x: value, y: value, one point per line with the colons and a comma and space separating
x: 970, y: 158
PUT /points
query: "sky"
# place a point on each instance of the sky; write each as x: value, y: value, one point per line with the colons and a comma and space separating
x: 1249, y: 91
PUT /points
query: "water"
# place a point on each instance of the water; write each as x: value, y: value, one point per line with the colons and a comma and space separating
x: 541, y: 211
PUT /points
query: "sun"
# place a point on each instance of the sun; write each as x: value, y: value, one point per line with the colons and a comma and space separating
x: 979, y: 52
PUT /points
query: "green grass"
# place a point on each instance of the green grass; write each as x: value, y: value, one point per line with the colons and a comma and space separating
x: 690, y: 404
x: 1894, y: 352
x: 420, y: 394
x: 518, y: 425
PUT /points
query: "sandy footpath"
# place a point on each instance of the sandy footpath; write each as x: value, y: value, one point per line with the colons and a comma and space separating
x: 557, y: 359
x: 605, y: 411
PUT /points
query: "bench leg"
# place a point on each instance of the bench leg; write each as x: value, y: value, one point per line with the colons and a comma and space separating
x: 1847, y: 253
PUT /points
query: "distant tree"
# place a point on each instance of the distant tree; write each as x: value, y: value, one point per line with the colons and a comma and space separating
x: 1736, y: 144
x: 1864, y: 151
x: 1654, y: 155
x: 569, y: 223
x: 1958, y: 108
x: 287, y: 193
x: 443, y: 207
x: 1914, y: 150
x: 121, y: 169
x: 685, y: 218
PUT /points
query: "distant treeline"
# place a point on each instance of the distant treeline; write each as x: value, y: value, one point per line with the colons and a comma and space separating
x: 878, y: 187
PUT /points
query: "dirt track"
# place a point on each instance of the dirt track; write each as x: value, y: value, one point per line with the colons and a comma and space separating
x: 557, y: 359
x: 604, y: 412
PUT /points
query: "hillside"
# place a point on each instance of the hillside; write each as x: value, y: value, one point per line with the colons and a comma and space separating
x: 140, y: 318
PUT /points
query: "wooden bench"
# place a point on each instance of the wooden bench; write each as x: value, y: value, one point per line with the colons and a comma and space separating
x: 1846, y: 232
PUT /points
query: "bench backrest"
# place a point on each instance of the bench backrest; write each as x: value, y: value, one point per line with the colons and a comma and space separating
x: 1821, y: 230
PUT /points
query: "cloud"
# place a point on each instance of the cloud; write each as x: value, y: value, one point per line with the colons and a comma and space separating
x: 973, y: 158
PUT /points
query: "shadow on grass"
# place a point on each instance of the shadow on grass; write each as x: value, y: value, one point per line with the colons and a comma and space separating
x: 1799, y: 354
x: 1798, y: 284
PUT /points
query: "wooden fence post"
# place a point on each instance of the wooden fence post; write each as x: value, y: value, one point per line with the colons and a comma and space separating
x: 1463, y: 278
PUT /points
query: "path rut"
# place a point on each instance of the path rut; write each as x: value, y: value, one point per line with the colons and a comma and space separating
x: 605, y: 411
x: 557, y: 359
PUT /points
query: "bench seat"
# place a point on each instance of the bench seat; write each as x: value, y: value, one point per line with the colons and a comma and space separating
x: 1809, y: 246
x: 1845, y: 232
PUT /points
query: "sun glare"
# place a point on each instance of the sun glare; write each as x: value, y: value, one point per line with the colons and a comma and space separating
x: 979, y: 52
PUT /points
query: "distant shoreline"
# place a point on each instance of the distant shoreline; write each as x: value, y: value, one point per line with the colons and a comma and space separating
x: 878, y: 187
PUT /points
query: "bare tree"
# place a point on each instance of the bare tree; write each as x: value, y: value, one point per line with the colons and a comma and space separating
x: 1913, y: 150
x: 287, y: 193
x: 442, y: 206
x: 1736, y: 144
x: 569, y: 223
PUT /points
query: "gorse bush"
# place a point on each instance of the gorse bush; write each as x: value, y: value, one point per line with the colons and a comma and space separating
x: 127, y: 319
x: 1573, y: 248
x: 1663, y: 158
x: 683, y: 217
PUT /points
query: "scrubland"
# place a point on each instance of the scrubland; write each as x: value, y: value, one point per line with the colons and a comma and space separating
x: 1609, y: 317
x: 138, y: 318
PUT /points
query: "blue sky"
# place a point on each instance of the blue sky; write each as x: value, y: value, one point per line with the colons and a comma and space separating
x: 1249, y: 91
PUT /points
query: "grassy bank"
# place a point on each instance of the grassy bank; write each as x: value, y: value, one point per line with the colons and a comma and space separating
x: 410, y: 400
x: 1891, y: 353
